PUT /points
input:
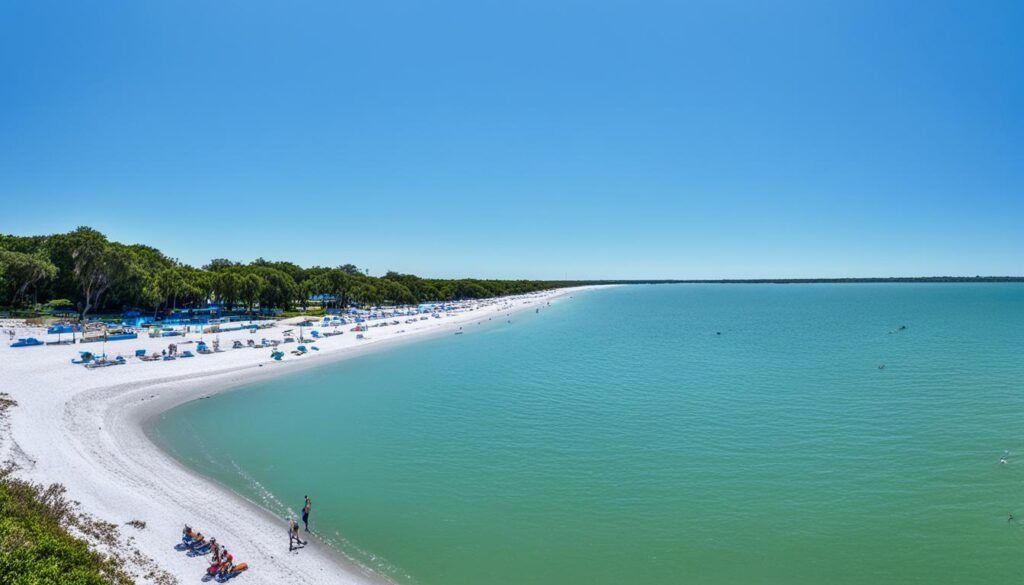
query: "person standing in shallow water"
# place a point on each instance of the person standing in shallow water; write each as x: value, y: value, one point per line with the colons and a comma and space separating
x: 305, y: 512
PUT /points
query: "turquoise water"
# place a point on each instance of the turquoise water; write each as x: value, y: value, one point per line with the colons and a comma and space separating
x: 617, y: 438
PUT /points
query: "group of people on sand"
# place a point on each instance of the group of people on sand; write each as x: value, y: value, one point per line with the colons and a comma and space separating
x: 222, y: 564
x: 294, y: 540
x: 221, y: 561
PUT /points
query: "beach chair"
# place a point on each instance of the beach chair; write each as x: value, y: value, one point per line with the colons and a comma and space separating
x: 140, y: 353
x: 235, y: 571
x: 277, y: 355
x: 200, y: 549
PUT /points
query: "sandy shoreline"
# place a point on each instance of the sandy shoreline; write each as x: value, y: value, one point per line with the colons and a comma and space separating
x: 84, y: 429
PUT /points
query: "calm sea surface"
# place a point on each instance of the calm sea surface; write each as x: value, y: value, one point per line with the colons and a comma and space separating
x: 618, y: 438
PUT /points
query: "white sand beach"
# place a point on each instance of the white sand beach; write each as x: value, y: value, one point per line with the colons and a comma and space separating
x: 83, y: 428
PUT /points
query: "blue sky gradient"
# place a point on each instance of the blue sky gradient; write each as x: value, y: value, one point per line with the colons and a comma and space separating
x: 531, y: 139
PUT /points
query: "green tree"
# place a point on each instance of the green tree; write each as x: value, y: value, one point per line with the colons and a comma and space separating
x: 219, y: 264
x: 364, y: 293
x: 102, y: 275
x: 171, y: 283
x: 290, y: 268
x: 279, y: 288
x: 350, y: 269
x: 395, y: 292
x: 250, y: 288
x: 200, y: 285
x: 227, y: 287
x: 97, y: 266
x: 21, y: 272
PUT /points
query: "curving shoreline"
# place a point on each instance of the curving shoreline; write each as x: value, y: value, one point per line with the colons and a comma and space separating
x: 85, y: 429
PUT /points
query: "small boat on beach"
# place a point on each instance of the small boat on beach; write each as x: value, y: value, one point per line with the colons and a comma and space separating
x: 26, y: 342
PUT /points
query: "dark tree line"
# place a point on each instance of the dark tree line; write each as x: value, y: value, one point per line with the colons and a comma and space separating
x: 86, y: 270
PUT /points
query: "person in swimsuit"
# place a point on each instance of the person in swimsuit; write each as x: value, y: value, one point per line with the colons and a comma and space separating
x: 225, y: 563
x: 305, y: 512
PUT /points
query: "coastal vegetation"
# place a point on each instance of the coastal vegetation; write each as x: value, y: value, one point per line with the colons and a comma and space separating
x: 36, y: 545
x: 46, y: 539
x: 85, y: 272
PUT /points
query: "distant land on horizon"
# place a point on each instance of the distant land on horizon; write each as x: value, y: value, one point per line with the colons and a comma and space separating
x: 850, y: 280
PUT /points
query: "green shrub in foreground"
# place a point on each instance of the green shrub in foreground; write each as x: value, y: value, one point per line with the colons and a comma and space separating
x: 35, y: 545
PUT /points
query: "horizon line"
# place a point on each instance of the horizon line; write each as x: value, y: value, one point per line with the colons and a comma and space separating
x: 839, y: 280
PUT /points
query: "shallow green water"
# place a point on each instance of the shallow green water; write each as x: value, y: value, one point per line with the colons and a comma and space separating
x: 616, y: 438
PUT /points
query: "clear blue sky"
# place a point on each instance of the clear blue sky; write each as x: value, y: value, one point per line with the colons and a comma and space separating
x: 536, y: 139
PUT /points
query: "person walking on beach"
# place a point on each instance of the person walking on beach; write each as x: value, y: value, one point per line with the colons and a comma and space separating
x: 305, y: 512
x: 293, y: 535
